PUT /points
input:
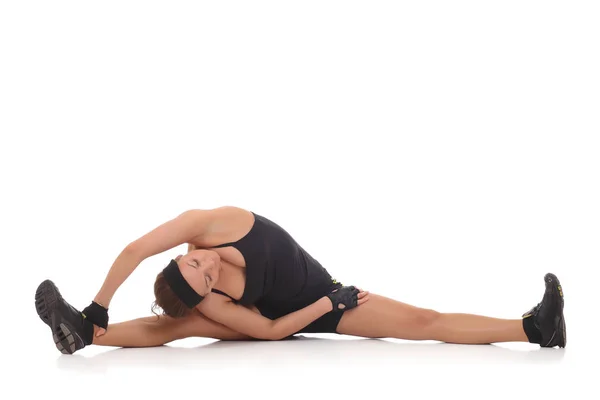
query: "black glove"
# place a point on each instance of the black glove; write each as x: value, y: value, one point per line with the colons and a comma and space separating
x: 96, y: 314
x: 346, y: 295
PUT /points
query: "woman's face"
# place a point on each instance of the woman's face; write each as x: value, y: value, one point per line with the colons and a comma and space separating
x: 200, y: 268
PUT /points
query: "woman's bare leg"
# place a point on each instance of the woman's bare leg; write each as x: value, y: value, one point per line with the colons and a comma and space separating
x: 156, y: 331
x: 543, y: 324
x: 384, y: 317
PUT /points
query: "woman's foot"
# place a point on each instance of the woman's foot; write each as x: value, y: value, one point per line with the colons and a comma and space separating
x: 70, y: 330
x: 545, y: 323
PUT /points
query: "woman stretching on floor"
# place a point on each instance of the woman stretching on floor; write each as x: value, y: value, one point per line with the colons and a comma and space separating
x: 245, y: 277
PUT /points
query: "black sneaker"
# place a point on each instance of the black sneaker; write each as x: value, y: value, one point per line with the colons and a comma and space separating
x: 68, y: 325
x: 548, y: 315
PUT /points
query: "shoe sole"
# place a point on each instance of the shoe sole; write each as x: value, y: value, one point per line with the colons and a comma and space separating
x: 556, y: 288
x: 64, y: 339
x: 47, y: 296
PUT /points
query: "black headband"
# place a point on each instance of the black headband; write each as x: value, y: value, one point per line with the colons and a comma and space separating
x: 179, y: 285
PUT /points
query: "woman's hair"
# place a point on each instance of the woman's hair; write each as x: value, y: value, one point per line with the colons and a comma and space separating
x: 167, y: 300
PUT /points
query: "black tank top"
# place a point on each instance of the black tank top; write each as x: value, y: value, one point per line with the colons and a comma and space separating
x: 279, y: 272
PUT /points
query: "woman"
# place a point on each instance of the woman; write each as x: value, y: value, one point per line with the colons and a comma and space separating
x: 246, y: 277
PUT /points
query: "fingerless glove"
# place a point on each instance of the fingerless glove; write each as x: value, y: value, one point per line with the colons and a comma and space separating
x: 346, y: 295
x: 96, y: 314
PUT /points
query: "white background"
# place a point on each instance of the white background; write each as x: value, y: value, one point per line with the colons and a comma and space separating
x: 444, y: 154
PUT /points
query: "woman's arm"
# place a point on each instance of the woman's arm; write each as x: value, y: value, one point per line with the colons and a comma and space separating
x: 182, y: 229
x: 247, y: 322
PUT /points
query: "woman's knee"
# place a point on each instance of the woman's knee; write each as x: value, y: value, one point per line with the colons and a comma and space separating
x: 425, y: 317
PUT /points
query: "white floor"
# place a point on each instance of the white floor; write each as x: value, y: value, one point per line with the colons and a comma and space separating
x: 319, y: 366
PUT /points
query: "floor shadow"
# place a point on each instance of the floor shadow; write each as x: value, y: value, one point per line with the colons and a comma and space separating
x: 304, y: 351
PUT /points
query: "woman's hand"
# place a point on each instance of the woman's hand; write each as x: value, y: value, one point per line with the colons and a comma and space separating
x: 97, y: 314
x: 347, y: 297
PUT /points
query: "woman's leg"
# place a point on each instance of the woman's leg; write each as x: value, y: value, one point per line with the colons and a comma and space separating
x: 544, y: 324
x: 71, y: 331
x: 156, y: 331
x: 384, y: 317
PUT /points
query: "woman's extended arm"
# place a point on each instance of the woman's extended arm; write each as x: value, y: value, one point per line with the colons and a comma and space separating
x: 182, y: 229
x: 125, y: 263
x: 247, y: 322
